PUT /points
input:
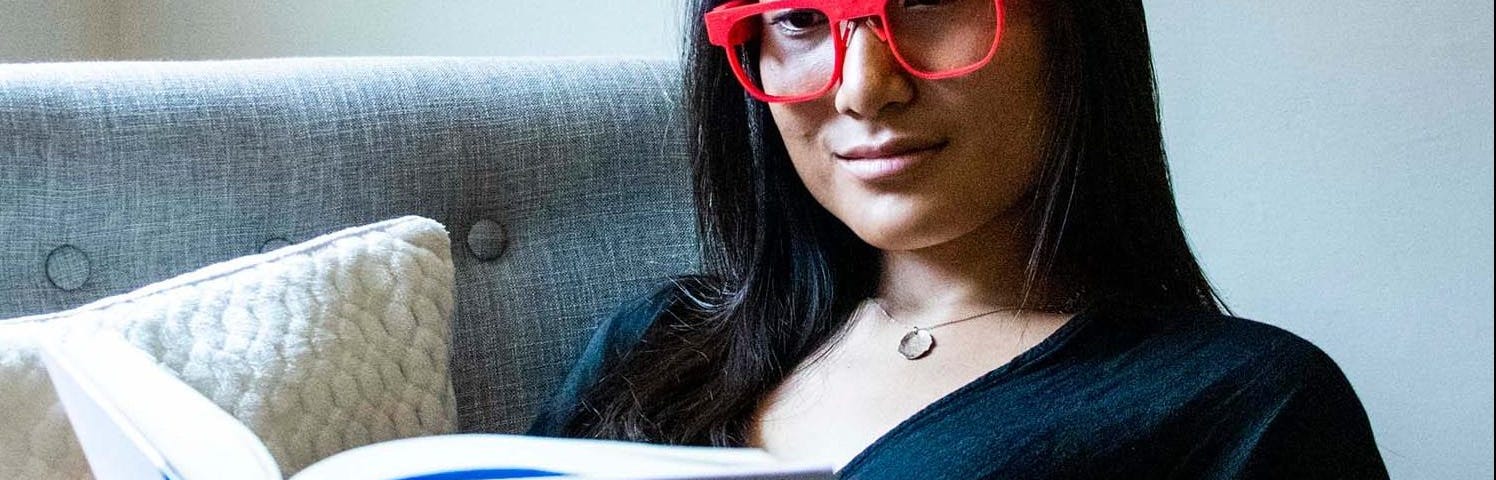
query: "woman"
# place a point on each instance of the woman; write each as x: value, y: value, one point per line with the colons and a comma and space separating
x: 955, y: 256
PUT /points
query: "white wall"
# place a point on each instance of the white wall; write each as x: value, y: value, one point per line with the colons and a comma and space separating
x: 223, y: 29
x: 1333, y: 165
x: 1333, y: 159
x: 44, y: 30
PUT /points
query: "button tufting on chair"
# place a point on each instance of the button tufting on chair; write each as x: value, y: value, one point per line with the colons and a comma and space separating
x: 486, y: 240
x: 68, y: 267
x: 273, y: 243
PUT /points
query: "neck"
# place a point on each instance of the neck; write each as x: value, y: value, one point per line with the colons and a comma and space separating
x: 980, y: 271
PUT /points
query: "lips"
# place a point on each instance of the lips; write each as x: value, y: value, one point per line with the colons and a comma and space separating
x: 873, y: 162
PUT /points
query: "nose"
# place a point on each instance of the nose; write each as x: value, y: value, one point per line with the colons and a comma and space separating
x: 872, y: 81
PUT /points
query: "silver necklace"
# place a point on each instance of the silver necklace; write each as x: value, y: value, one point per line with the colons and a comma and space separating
x: 919, y: 341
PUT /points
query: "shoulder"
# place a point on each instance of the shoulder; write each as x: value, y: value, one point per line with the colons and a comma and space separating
x: 1228, y: 345
x: 1228, y: 373
x: 1269, y: 403
x: 636, y: 314
x: 664, y: 302
x: 610, y: 343
x: 1254, y: 400
x: 1268, y: 344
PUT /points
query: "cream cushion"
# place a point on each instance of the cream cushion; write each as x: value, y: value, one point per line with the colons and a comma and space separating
x: 319, y: 347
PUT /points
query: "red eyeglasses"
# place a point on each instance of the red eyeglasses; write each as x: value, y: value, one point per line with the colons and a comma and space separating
x: 798, y: 46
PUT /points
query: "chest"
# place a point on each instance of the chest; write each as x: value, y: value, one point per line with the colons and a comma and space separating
x: 831, y: 409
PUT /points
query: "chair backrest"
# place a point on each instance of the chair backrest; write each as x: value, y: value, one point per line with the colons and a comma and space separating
x: 564, y: 183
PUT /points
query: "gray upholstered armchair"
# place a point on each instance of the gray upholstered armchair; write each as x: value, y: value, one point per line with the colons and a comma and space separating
x: 563, y: 182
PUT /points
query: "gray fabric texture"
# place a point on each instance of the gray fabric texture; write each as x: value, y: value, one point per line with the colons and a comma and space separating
x: 116, y: 175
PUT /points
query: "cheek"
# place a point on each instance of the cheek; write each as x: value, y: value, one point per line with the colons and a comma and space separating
x: 1007, y: 113
x: 799, y: 128
x: 863, y: 211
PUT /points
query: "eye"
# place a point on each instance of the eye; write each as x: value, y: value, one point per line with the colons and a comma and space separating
x: 796, y: 21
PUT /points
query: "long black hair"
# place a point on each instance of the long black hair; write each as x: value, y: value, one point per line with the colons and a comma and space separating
x: 781, y: 275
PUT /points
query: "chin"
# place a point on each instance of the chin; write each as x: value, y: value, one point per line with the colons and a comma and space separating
x: 888, y: 236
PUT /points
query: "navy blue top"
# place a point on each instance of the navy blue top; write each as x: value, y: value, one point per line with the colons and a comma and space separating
x: 1114, y: 393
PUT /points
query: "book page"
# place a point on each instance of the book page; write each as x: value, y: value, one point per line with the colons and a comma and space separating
x: 136, y: 420
x: 518, y: 456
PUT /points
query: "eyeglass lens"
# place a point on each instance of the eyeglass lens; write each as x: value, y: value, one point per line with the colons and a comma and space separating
x: 795, y: 50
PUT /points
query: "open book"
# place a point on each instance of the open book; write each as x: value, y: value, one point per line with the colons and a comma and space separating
x: 136, y: 420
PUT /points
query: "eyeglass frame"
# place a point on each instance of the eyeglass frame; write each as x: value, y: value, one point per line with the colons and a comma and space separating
x: 720, y: 32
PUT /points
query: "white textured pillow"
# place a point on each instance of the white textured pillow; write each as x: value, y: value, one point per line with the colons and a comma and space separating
x: 319, y: 347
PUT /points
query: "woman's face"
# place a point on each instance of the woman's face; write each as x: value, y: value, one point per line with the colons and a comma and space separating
x: 975, y: 140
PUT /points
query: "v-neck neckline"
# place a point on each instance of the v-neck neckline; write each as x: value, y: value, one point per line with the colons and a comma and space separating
x: 1045, y: 347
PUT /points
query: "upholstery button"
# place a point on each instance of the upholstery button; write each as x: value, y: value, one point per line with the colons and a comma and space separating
x: 486, y: 240
x: 68, y: 267
x: 273, y: 243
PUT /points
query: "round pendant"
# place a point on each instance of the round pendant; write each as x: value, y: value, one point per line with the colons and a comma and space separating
x: 916, y: 343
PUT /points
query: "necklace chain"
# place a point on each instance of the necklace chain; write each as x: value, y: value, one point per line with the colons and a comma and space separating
x: 878, y: 304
